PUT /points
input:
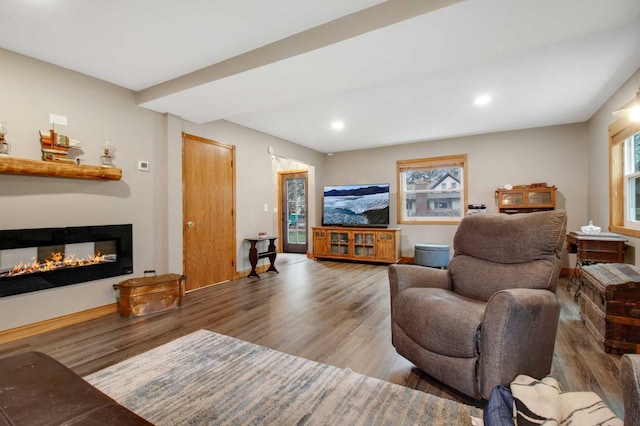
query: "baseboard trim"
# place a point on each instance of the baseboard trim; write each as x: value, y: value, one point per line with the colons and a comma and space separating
x: 56, y: 323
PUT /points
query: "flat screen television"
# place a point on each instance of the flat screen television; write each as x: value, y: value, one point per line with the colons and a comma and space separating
x: 356, y: 205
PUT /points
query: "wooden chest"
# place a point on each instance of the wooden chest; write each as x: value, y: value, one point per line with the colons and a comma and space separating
x: 150, y: 294
x: 610, y: 305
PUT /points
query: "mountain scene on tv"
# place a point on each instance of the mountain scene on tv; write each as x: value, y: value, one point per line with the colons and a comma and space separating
x: 356, y: 205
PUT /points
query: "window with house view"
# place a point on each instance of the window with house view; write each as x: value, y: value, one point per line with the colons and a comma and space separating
x: 432, y: 190
x: 624, y: 192
x: 632, y: 179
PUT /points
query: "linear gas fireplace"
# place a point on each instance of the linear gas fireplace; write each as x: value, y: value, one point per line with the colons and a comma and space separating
x: 38, y: 259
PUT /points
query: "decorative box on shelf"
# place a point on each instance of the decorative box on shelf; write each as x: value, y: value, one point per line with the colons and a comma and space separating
x: 55, y: 147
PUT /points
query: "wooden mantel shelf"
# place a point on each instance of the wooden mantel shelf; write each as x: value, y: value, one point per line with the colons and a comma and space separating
x: 21, y: 166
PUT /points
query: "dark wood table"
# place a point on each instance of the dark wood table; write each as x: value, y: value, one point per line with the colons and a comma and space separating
x: 604, y: 247
x: 254, y: 255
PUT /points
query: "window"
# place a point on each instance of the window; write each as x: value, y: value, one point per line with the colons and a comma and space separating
x: 432, y: 190
x: 632, y: 180
x: 624, y: 177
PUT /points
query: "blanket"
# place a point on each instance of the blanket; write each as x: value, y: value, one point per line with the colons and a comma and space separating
x: 540, y: 402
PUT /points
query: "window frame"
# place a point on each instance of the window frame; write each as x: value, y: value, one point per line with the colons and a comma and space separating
x: 619, y: 131
x: 444, y: 162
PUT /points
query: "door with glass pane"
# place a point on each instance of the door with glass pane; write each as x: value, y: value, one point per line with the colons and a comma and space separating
x: 293, y: 194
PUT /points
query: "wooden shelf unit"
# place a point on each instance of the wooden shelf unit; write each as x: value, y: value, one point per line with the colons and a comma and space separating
x: 526, y: 199
x: 21, y: 166
x: 365, y: 244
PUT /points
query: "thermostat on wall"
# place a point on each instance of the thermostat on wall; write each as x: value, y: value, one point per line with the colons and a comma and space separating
x: 143, y: 165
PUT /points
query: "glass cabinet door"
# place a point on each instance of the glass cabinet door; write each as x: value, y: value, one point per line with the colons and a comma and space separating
x: 512, y: 199
x: 339, y: 243
x: 539, y: 197
x: 364, y: 244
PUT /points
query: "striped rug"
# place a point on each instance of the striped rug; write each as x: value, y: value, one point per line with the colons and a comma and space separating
x: 206, y: 378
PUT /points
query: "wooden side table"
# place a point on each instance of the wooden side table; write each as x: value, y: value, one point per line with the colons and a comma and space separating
x: 254, y: 255
x: 604, y: 247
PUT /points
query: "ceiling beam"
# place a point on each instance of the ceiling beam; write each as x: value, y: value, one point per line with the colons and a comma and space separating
x: 352, y: 25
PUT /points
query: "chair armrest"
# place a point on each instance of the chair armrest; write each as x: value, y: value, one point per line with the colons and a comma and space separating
x: 630, y: 381
x: 402, y: 277
x: 517, y: 336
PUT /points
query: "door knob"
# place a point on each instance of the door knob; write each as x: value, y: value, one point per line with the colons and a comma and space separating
x: 190, y: 224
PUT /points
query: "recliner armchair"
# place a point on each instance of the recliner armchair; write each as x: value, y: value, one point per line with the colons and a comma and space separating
x: 494, y: 313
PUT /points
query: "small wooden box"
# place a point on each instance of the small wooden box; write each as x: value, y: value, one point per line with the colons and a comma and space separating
x: 610, y: 305
x: 150, y: 294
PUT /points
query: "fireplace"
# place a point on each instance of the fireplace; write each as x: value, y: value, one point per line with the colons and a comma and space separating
x: 38, y: 259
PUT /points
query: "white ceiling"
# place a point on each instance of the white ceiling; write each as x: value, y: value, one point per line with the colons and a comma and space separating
x: 394, y: 72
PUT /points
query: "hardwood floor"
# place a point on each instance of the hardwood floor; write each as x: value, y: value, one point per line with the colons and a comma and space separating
x: 330, y: 312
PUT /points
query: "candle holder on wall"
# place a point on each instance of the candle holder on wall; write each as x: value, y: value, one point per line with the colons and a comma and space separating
x: 106, y: 159
x: 5, y: 147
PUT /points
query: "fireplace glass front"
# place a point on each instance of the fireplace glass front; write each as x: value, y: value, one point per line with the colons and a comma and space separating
x: 38, y: 259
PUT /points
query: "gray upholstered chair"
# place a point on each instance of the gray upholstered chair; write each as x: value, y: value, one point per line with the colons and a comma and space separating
x: 494, y: 313
x: 630, y: 381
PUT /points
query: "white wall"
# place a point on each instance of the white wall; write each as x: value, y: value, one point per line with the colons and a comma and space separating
x: 598, y: 160
x: 556, y: 155
x: 31, y: 90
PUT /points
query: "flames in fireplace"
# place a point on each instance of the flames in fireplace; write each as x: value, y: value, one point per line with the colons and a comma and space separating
x: 57, y: 260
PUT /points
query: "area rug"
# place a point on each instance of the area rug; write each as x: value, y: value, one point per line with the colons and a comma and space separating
x: 207, y: 378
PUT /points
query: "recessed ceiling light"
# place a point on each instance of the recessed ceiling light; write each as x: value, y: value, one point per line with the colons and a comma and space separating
x: 337, y: 125
x: 482, y: 100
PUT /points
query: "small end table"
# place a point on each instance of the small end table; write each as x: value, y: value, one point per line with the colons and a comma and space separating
x: 254, y: 255
x: 605, y: 247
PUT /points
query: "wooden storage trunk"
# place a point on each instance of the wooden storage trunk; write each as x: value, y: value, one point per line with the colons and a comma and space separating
x: 150, y: 294
x: 610, y: 305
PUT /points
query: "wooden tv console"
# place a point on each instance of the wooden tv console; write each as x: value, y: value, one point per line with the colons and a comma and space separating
x: 364, y: 244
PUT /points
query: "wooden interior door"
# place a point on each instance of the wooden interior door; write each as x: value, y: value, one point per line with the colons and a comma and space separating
x: 209, y: 230
x: 293, y: 205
